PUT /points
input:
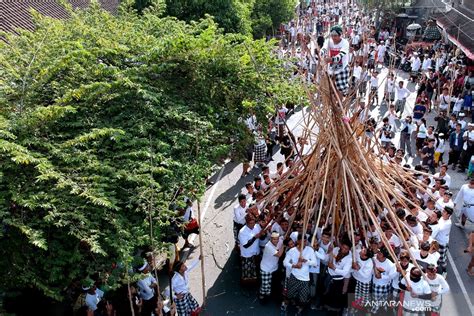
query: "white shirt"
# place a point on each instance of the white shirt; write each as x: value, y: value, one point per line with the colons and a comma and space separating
x: 366, y: 269
x: 440, y: 286
x: 357, y: 72
x: 441, y: 231
x: 440, y: 204
x: 395, y: 241
x: 470, y: 137
x: 426, y: 64
x: 398, y: 276
x: 93, y: 300
x: 374, y: 82
x: 180, y: 283
x: 239, y: 214
x: 464, y: 198
x: 320, y: 254
x: 144, y: 290
x: 415, y: 63
x: 446, y: 177
x: 269, y: 261
x: 390, y: 85
x: 292, y: 257
x: 341, y: 49
x: 386, y: 276
x: 245, y: 234
x: 419, y: 288
x: 430, y: 259
x: 342, y: 267
x: 402, y: 93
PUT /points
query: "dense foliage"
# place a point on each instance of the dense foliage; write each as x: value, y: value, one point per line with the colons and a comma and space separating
x: 257, y: 17
x: 102, y: 118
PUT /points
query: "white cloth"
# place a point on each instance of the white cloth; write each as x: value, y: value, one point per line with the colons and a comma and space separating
x: 339, y: 51
x: 440, y: 204
x: 401, y: 93
x: 93, y: 299
x: 180, y: 283
x: 446, y: 177
x: 239, y: 214
x: 419, y: 288
x: 441, y: 231
x: 366, y: 269
x: 269, y: 261
x: 342, y: 267
x: 245, y: 234
x: 430, y: 259
x: 386, y: 276
x: 145, y: 290
x: 440, y: 286
x: 292, y: 257
x: 464, y: 201
x: 320, y: 254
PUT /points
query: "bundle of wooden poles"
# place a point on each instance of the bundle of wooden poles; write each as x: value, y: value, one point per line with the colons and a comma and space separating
x: 341, y: 182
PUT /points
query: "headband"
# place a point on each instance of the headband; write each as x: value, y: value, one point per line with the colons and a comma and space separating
x: 143, y: 267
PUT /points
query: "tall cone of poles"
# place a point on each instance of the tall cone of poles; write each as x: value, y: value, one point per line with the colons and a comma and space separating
x: 342, y: 181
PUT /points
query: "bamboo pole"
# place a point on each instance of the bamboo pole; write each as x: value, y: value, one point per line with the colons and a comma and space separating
x: 201, y: 254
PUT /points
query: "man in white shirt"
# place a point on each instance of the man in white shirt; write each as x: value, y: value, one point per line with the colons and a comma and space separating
x: 146, y: 289
x: 401, y: 94
x: 299, y: 259
x: 441, y: 233
x: 240, y: 210
x: 93, y: 297
x: 438, y: 286
x: 249, y: 248
x: 271, y: 254
x: 464, y: 202
x: 336, y: 52
x: 339, y: 269
x: 467, y: 149
x: 362, y: 271
x: 426, y: 63
x: 384, y: 272
x: 186, y: 304
x: 417, y: 292
x: 442, y: 174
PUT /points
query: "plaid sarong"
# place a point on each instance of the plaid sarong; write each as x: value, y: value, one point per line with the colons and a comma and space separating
x: 186, y: 305
x: 443, y: 258
x: 266, y: 282
x: 260, y: 153
x: 298, y: 290
x: 380, y: 294
x: 341, y: 79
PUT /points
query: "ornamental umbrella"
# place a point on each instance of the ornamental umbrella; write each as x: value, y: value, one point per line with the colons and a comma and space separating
x: 413, y: 27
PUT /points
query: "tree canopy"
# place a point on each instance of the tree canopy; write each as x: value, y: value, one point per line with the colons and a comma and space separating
x: 102, y: 119
x: 257, y: 17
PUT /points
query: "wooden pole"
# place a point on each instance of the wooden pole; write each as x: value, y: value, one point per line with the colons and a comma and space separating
x: 201, y: 253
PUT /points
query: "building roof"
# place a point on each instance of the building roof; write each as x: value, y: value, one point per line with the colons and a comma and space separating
x: 428, y: 4
x: 460, y: 29
x: 15, y: 14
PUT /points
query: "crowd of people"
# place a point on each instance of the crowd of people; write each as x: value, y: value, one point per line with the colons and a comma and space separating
x: 289, y: 258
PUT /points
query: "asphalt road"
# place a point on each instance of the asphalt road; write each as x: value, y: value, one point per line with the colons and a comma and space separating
x: 225, y: 296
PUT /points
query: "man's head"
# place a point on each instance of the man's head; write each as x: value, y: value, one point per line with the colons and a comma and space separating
x: 242, y: 200
x: 431, y: 143
x: 415, y: 274
x: 250, y: 221
x: 336, y: 32
x: 400, y: 84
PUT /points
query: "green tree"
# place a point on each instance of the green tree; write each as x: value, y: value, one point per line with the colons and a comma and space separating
x: 267, y: 15
x: 100, y: 121
x: 232, y: 15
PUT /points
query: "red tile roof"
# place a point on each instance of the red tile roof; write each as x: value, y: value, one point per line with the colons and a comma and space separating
x: 15, y: 14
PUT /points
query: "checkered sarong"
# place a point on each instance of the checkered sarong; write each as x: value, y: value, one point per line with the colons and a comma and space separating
x: 341, y: 79
x: 249, y: 269
x: 362, y: 292
x: 443, y: 258
x: 298, y: 290
x: 380, y: 294
x: 266, y: 282
x: 186, y: 305
x: 260, y: 153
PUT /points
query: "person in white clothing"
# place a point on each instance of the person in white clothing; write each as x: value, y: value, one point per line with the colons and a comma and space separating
x: 403, y: 268
x: 441, y: 233
x: 362, y: 272
x: 147, y: 287
x: 445, y: 201
x: 320, y: 254
x: 339, y: 269
x: 240, y: 210
x: 93, y: 297
x: 299, y: 259
x: 417, y: 292
x: 389, y: 96
x: 186, y: 304
x: 442, y: 174
x: 336, y: 52
x: 384, y: 272
x: 249, y: 248
x: 271, y: 254
x: 464, y: 202
x: 401, y: 94
x: 423, y: 256
x: 438, y: 286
